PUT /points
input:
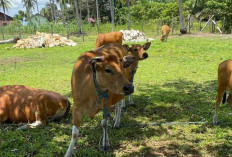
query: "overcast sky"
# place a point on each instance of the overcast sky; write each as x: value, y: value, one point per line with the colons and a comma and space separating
x: 17, y: 5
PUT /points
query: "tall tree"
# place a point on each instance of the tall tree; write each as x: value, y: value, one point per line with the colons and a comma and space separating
x: 29, y: 4
x: 20, y: 15
x: 37, y: 6
x: 112, y: 13
x: 52, y: 10
x: 183, y: 29
x: 62, y: 3
x: 78, y: 17
x: 88, y: 14
x: 97, y: 8
x: 5, y: 5
x: 128, y: 14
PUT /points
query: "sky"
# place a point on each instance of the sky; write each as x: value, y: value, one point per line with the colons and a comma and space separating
x: 17, y: 5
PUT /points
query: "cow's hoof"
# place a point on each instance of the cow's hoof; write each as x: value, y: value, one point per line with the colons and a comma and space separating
x: 124, y: 108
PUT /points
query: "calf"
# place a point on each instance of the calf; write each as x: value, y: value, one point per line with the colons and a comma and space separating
x: 112, y: 37
x: 19, y: 103
x: 224, y: 83
x: 94, y: 73
x: 165, y: 31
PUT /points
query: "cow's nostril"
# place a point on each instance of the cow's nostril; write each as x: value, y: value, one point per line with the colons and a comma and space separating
x: 128, y: 89
x: 145, y: 55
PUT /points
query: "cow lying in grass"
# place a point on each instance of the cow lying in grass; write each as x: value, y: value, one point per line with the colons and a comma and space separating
x: 19, y: 103
x: 165, y: 30
x: 94, y: 73
x: 224, y: 83
x: 105, y: 38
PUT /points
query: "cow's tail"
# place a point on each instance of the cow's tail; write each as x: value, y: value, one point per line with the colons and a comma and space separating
x: 224, y: 98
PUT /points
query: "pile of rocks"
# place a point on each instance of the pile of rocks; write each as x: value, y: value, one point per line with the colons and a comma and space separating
x: 134, y: 36
x: 44, y: 40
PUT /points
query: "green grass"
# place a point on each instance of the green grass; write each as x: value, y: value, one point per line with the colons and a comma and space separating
x: 177, y: 83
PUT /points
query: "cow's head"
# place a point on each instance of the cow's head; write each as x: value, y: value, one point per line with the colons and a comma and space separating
x: 109, y: 73
x: 162, y: 38
x: 138, y: 51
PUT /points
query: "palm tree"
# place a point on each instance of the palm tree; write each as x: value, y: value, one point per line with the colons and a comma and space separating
x: 37, y: 6
x: 5, y: 5
x: 62, y: 3
x: 29, y: 4
x: 183, y: 29
x: 97, y: 7
x: 78, y: 17
x: 112, y: 13
x: 128, y: 13
x: 87, y: 3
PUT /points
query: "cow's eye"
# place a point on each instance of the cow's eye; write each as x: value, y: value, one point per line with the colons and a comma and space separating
x: 108, y: 71
x: 136, y: 50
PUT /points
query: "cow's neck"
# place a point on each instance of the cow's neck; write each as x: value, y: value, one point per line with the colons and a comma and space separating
x: 134, y: 66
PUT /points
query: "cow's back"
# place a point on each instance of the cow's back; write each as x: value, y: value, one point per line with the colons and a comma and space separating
x: 165, y: 30
x: 105, y: 38
x: 225, y: 73
x: 19, y: 103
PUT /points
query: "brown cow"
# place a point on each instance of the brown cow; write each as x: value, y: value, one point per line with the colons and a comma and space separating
x: 224, y: 83
x: 165, y: 32
x: 19, y: 103
x: 93, y: 74
x: 105, y: 38
x: 139, y: 53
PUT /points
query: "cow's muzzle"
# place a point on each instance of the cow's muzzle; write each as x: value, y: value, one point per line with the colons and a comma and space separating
x: 128, y: 89
x: 145, y: 55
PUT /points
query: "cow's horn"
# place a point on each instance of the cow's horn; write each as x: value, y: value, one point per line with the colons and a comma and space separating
x: 93, y: 61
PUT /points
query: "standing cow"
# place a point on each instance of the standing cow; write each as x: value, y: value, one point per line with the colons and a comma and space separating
x: 94, y: 73
x: 19, y: 103
x: 224, y: 83
x: 165, y: 30
x: 105, y: 38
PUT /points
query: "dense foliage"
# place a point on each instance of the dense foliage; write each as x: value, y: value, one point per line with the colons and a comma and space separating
x: 144, y: 10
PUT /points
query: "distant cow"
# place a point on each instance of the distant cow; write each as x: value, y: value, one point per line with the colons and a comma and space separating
x: 105, y: 38
x: 19, y: 103
x: 94, y: 73
x: 224, y: 83
x: 165, y: 30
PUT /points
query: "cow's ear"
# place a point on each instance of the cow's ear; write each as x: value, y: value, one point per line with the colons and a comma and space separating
x: 146, y: 46
x: 127, y: 47
x: 127, y: 61
x: 93, y: 61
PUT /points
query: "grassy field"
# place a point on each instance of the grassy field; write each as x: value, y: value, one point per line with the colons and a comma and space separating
x: 177, y: 83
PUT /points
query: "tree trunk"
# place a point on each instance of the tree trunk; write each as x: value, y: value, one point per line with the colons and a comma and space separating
x: 97, y: 17
x: 87, y: 3
x: 52, y: 10
x: 183, y: 29
x: 128, y: 13
x: 78, y: 17
x: 112, y: 13
x: 4, y: 10
x: 29, y: 15
x: 37, y: 6
x: 62, y: 12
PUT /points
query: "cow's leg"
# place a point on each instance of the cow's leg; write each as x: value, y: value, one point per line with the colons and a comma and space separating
x: 123, y: 104
x: 118, y: 114
x: 40, y: 116
x: 105, y: 138
x: 75, y: 130
x: 131, y: 101
x: 116, y: 111
x: 220, y: 91
x: 229, y: 101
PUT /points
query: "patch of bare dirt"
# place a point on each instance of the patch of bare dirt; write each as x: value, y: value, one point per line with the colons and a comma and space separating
x: 203, y: 35
x: 14, y: 60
